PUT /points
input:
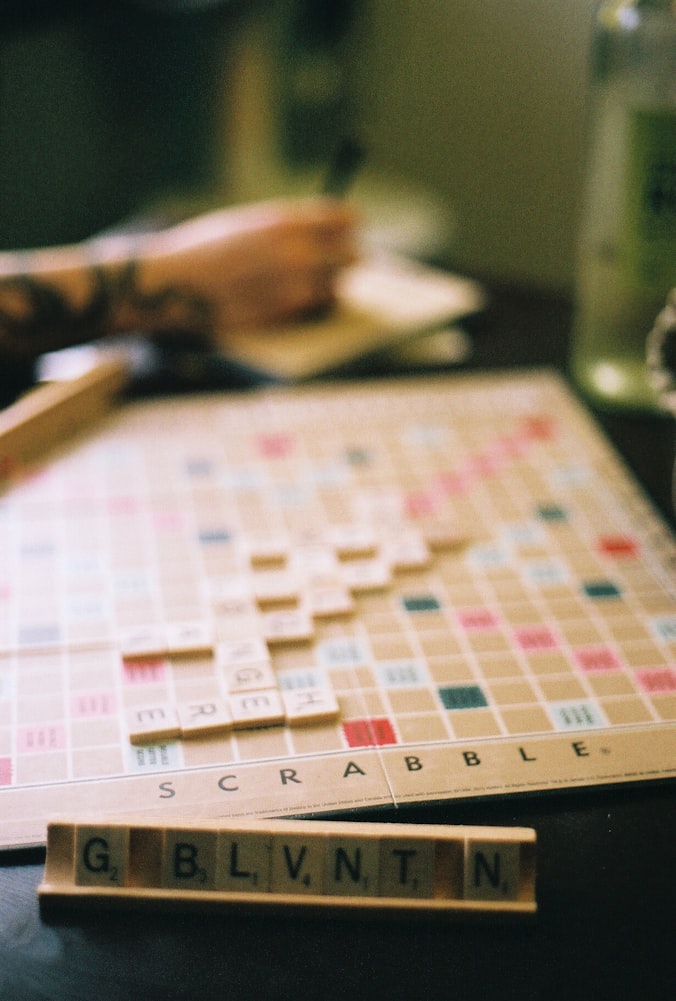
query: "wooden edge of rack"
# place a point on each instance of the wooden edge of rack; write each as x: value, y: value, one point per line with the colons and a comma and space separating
x: 57, y: 897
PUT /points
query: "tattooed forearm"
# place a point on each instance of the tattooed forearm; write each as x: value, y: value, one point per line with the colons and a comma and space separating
x: 175, y: 308
x: 239, y: 268
x: 37, y: 315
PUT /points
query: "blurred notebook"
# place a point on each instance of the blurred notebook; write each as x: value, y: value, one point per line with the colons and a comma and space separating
x: 382, y: 303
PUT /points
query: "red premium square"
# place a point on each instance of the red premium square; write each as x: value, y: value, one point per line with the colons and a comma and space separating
x: 369, y: 732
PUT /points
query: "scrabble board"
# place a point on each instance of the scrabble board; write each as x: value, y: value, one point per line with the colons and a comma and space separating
x: 307, y: 601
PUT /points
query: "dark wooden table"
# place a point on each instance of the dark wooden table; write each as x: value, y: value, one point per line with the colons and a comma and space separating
x: 607, y: 863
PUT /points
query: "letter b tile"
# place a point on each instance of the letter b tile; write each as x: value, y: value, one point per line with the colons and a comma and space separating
x: 189, y: 860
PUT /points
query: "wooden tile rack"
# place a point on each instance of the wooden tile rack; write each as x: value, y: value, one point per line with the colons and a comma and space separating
x: 358, y: 868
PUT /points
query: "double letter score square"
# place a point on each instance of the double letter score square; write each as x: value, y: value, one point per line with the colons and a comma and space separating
x: 428, y: 868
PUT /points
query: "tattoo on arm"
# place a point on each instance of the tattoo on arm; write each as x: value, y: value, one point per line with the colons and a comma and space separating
x: 46, y: 320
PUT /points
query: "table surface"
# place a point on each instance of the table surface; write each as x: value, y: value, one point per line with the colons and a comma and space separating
x: 606, y: 860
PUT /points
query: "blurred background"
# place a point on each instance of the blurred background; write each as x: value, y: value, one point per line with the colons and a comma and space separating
x: 473, y: 114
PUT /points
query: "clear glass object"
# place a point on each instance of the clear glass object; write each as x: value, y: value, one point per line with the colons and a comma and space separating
x: 627, y: 248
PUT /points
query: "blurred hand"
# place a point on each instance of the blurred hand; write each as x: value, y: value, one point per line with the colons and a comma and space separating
x: 259, y: 264
x: 233, y: 268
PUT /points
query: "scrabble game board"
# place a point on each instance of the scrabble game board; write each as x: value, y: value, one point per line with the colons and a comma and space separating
x: 314, y: 600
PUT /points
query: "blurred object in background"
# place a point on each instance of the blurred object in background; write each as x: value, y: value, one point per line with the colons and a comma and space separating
x: 158, y: 108
x: 472, y: 114
x: 627, y: 256
x: 481, y: 105
x: 292, y: 95
x: 662, y: 355
x: 661, y: 359
x: 103, y: 107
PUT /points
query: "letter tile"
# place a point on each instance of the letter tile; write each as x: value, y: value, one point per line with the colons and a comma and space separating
x: 407, y: 868
x: 101, y: 855
x: 287, y: 626
x: 189, y: 637
x: 243, y: 862
x: 142, y: 641
x: 492, y: 870
x: 242, y: 652
x: 230, y: 594
x: 249, y: 677
x: 408, y: 551
x: 305, y: 706
x: 297, y: 864
x: 266, y: 549
x: 153, y: 724
x: 275, y: 587
x: 325, y: 601
x: 443, y: 536
x: 252, y: 709
x: 352, y: 865
x: 189, y: 861
x: 204, y: 717
x: 366, y: 575
x: 357, y: 539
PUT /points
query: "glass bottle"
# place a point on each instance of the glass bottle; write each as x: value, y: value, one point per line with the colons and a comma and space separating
x: 627, y: 248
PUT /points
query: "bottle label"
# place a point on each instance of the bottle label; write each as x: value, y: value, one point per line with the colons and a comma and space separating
x: 651, y: 200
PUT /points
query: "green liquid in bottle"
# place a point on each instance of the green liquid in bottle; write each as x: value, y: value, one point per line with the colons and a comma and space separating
x: 627, y: 252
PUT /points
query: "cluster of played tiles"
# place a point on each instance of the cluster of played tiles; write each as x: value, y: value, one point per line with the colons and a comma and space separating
x: 358, y: 864
x: 289, y: 588
x: 239, y: 710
